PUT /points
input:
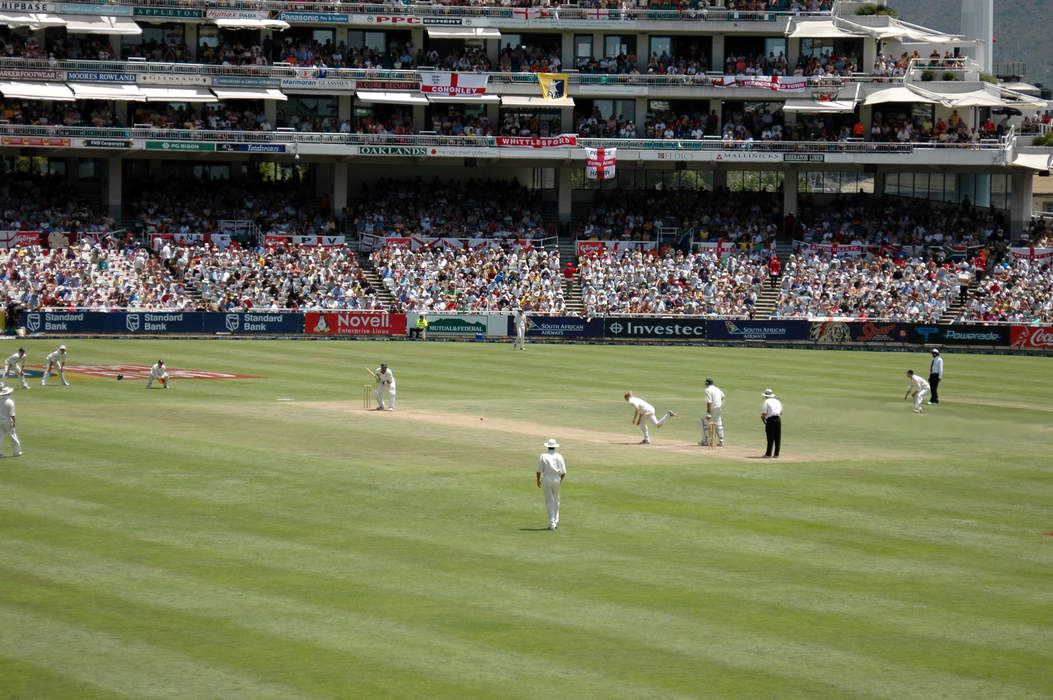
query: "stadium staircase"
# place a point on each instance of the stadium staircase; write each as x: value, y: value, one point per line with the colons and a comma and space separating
x: 768, y: 296
x: 571, y: 287
x: 384, y: 296
x: 954, y: 311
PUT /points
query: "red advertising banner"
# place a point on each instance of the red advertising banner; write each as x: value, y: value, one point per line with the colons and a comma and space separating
x: 52, y: 141
x: 1031, y: 337
x: 561, y: 141
x: 354, y: 323
x: 19, y: 239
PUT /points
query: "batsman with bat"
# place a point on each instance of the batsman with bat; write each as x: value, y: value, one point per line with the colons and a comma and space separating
x: 385, y: 384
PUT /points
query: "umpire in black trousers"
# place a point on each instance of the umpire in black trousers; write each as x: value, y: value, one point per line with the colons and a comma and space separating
x: 771, y: 414
x: 935, y: 375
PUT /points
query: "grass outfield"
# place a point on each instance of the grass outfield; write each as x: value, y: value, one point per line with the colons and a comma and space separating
x: 270, y: 538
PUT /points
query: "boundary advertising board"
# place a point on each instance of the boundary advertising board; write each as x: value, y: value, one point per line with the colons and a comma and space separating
x: 364, y: 323
x: 645, y: 328
x: 558, y: 327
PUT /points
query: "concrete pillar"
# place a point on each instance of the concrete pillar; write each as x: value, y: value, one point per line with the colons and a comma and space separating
x: 493, y: 48
x: 493, y: 114
x: 339, y: 198
x: 113, y: 187
x: 419, y: 118
x: 115, y: 45
x: 416, y: 38
x: 879, y: 183
x: 343, y: 107
x: 866, y: 115
x: 1021, y: 202
x: 190, y: 37
x: 716, y: 58
x: 793, y: 52
x: 789, y: 191
x: 566, y: 120
x: 643, y: 51
x: 340, y: 36
x: 720, y: 179
x: 120, y: 110
x: 72, y: 170
x: 869, y: 55
x: 563, y: 196
x: 566, y: 51
x: 641, y: 117
x: 270, y: 110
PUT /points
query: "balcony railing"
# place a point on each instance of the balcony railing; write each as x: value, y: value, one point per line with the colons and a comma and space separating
x: 337, y: 139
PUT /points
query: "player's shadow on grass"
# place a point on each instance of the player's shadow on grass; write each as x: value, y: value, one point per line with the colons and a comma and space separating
x: 533, y: 529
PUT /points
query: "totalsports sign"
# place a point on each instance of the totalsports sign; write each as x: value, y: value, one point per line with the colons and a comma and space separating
x: 365, y: 323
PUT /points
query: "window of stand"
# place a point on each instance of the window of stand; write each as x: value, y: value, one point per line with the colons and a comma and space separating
x: 835, y: 182
x: 660, y: 180
x: 945, y: 187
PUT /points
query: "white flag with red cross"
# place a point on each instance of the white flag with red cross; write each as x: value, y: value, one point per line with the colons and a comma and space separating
x: 599, y: 163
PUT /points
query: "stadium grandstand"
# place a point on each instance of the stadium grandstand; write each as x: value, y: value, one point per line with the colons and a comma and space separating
x: 596, y: 159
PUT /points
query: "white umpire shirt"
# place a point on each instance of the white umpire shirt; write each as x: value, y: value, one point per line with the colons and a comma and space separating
x: 937, y: 366
x: 550, y: 465
x: 771, y: 407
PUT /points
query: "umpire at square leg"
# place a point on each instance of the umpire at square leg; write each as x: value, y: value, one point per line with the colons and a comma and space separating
x: 771, y: 415
x: 935, y: 375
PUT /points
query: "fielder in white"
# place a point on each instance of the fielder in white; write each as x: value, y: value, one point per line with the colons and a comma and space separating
x: 55, y: 361
x: 385, y: 384
x: 714, y: 413
x: 551, y: 469
x: 160, y: 373
x: 643, y: 412
x: 521, y: 326
x: 7, y: 421
x: 919, y: 389
x: 15, y: 366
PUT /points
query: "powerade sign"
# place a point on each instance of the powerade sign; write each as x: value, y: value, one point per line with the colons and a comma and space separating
x: 758, y: 330
x: 644, y: 328
x: 559, y: 327
x: 960, y: 335
x: 248, y: 322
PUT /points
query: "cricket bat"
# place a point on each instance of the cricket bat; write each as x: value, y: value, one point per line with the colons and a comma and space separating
x: 371, y: 372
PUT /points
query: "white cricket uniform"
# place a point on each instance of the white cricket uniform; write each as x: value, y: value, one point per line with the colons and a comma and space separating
x: 921, y: 387
x: 385, y: 385
x: 551, y: 467
x: 54, y: 361
x: 648, y: 415
x: 15, y: 365
x: 715, y: 399
x: 160, y: 373
x: 521, y: 324
x: 7, y: 415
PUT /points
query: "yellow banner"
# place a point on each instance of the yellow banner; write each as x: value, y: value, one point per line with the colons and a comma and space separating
x: 553, y: 85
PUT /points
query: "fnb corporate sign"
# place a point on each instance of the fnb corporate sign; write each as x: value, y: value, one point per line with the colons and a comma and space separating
x: 354, y: 323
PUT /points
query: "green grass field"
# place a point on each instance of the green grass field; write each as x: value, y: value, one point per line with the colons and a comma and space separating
x: 270, y: 538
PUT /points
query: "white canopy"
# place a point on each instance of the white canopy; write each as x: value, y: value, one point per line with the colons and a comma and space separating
x: 535, y: 102
x: 976, y: 98
x: 391, y: 97
x: 465, y: 99
x: 250, y: 23
x: 231, y: 93
x: 33, y: 20
x: 464, y: 33
x: 90, y: 24
x: 816, y: 107
x: 177, y: 94
x: 1035, y: 161
x: 819, y: 29
x: 124, y: 92
x: 897, y: 94
x: 36, y: 91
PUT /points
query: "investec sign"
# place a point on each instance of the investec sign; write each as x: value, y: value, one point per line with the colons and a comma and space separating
x: 392, y: 151
x: 355, y: 323
x: 655, y: 328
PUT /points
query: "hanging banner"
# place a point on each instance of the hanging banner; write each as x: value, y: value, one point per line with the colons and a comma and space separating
x: 780, y: 83
x: 1032, y: 254
x: 553, y: 86
x: 561, y: 141
x: 453, y: 84
x: 600, y: 163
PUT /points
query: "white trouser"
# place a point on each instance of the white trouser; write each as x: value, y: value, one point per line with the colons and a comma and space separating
x: 717, y: 413
x: 919, y: 397
x: 390, y: 390
x: 550, y: 485
x: 658, y: 423
x: 16, y: 445
x: 163, y: 379
x: 12, y: 373
x: 47, y: 373
x: 520, y: 340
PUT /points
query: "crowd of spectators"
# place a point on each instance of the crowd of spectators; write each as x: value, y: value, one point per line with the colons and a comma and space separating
x: 191, y: 205
x: 634, y: 215
x: 878, y: 287
x: 454, y: 209
x: 274, y: 278
x: 487, y: 279
x: 640, y: 282
x: 900, y: 128
x: 33, y: 203
x: 89, y: 276
x: 1015, y: 290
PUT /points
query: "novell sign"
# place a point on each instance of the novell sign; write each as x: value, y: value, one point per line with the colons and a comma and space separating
x: 355, y: 323
x: 1031, y: 337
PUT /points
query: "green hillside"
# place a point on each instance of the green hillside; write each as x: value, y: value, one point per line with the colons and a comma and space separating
x: 1020, y: 30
